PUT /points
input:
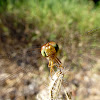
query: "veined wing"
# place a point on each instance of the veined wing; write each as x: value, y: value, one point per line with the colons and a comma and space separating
x: 22, y: 56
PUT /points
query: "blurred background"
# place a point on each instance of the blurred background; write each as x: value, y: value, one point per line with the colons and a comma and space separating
x: 25, y: 25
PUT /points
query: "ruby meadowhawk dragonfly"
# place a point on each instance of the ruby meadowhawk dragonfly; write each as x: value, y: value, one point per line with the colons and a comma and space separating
x: 30, y: 55
x: 49, y: 50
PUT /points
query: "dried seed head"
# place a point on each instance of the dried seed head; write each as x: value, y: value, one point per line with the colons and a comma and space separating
x: 55, y: 85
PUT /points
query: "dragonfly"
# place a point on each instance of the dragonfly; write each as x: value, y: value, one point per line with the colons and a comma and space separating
x: 27, y: 54
x: 50, y: 50
x: 30, y: 55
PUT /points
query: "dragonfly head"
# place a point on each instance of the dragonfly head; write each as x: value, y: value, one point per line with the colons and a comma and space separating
x: 49, y: 49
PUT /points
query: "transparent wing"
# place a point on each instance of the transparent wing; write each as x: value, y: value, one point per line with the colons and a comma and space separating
x: 22, y: 56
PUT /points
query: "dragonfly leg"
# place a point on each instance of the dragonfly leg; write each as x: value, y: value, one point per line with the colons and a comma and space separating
x: 51, y: 65
x: 58, y: 62
x: 61, y: 66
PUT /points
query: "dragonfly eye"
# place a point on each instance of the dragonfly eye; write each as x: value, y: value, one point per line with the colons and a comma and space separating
x: 56, y: 47
x: 43, y: 52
